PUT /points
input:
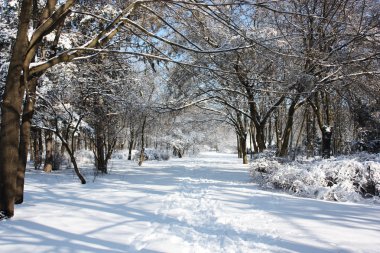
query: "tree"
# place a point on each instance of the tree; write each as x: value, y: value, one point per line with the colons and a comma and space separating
x: 20, y: 79
x: 10, y: 115
x: 64, y: 121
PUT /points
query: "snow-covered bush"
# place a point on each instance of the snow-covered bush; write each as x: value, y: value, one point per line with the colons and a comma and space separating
x: 345, y: 178
x: 123, y: 154
x: 84, y: 157
x: 154, y: 154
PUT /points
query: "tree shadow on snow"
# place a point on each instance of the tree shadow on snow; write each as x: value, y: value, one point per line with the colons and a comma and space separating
x: 161, y: 180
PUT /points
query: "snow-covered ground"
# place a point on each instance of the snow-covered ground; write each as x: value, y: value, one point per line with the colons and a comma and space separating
x: 203, y: 204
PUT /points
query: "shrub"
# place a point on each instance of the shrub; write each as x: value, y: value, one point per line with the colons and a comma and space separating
x: 154, y: 154
x: 346, y: 178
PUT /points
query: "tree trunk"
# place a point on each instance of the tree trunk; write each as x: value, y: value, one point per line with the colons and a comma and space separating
x: 100, y: 155
x: 270, y: 132
x: 260, y: 137
x: 299, y: 135
x: 310, y: 134
x: 32, y: 139
x: 130, y: 147
x: 10, y: 115
x: 253, y: 136
x: 288, y: 129
x: 278, y: 130
x: 142, y: 152
x: 79, y: 142
x: 25, y: 139
x: 326, y: 141
x: 240, y: 155
x: 48, y: 166
x: 250, y: 142
x: 37, y: 147
x: 64, y: 138
x: 131, y: 143
x: 76, y: 169
x: 63, y: 149
x: 243, y: 146
x: 73, y: 161
x: 100, y: 140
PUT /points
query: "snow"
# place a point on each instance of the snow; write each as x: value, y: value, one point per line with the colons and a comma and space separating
x: 202, y: 204
x: 343, y: 178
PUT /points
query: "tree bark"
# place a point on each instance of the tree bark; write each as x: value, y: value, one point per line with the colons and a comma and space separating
x: 310, y: 134
x: 76, y: 169
x: 10, y: 114
x: 142, y: 152
x: 130, y: 147
x: 48, y: 166
x: 32, y: 153
x: 37, y: 147
x: 270, y: 132
x: 73, y: 161
x: 99, y: 147
x: 26, y: 123
x: 131, y: 141
x: 326, y: 141
x: 238, y: 145
x: 243, y: 145
x: 288, y: 129
x: 100, y: 140
x: 260, y: 137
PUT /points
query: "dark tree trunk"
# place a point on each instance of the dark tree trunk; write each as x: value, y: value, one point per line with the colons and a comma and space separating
x: 76, y: 169
x: 65, y: 143
x: 130, y: 147
x: 25, y: 139
x: 73, y: 161
x: 40, y: 146
x: 37, y: 147
x: 326, y: 141
x: 31, y: 145
x: 253, y: 136
x: 131, y: 142
x: 277, y: 126
x: 260, y: 137
x: 48, y: 166
x: 250, y: 142
x: 100, y: 154
x: 100, y: 140
x: 243, y: 147
x: 259, y: 126
x: 142, y: 152
x: 310, y: 134
x: 10, y: 115
x: 288, y: 129
x: 270, y: 132
x: 238, y: 144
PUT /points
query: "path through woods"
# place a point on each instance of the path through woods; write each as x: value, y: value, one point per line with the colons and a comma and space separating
x: 203, y: 204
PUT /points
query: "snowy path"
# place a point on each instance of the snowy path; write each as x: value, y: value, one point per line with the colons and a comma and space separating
x: 205, y: 204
